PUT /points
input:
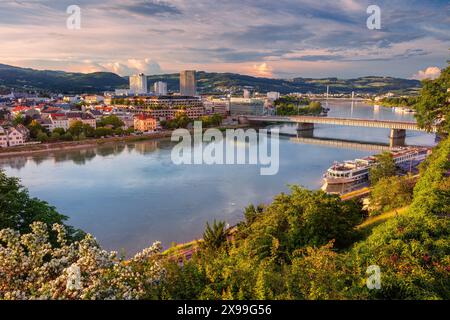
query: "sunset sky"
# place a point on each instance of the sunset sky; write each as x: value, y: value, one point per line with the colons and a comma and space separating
x: 282, y: 38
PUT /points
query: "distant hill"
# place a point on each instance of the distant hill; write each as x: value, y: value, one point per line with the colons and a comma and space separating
x: 68, y: 82
x: 58, y: 81
x: 214, y: 82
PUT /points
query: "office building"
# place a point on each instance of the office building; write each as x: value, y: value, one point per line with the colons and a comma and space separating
x: 160, y: 88
x: 138, y: 84
x: 188, y: 83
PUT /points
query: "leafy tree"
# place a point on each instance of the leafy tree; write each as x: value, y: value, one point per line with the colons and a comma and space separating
x: 391, y: 193
x: 103, y: 132
x: 60, y: 131
x: 215, y: 237
x: 111, y: 120
x: 433, y: 106
x: 384, y: 168
x: 76, y: 128
x: 18, y: 119
x: 18, y: 210
x: 42, y: 137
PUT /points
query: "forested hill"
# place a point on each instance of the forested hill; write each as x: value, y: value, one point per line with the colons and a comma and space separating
x: 69, y: 82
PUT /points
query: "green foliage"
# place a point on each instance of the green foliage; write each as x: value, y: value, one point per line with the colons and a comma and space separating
x: 181, y: 120
x: 214, y: 120
x: 398, y: 102
x: 216, y: 236
x: 103, y: 132
x: 384, y: 168
x: 18, y: 210
x: 433, y: 106
x: 80, y: 131
x: 111, y: 120
x: 391, y: 193
x: 291, y: 106
x: 18, y: 119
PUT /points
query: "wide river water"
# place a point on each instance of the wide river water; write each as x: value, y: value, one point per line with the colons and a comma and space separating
x: 130, y: 195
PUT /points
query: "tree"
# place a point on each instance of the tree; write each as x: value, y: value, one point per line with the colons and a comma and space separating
x: 215, y: 237
x: 76, y: 128
x: 385, y: 167
x: 391, y: 193
x: 42, y: 136
x: 18, y: 210
x: 433, y: 104
x: 112, y: 120
x: 18, y: 119
x: 35, y: 128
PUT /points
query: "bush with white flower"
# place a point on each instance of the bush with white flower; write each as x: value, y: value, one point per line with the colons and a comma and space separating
x: 32, y: 268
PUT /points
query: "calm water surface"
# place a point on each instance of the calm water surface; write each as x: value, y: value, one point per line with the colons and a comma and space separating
x: 130, y: 195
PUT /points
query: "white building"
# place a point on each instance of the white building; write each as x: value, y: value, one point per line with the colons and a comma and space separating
x: 273, y: 95
x: 138, y: 84
x: 122, y: 92
x: 3, y: 138
x: 59, y: 121
x: 15, y: 137
x: 160, y: 88
x: 247, y: 94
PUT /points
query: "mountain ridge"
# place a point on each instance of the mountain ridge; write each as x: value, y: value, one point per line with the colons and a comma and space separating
x: 18, y: 78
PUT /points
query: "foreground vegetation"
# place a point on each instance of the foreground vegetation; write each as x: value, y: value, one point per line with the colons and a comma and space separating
x: 304, y: 245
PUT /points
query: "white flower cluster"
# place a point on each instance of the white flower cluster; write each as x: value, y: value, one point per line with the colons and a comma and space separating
x: 31, y: 268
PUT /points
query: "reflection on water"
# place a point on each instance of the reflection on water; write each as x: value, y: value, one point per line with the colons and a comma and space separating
x: 131, y: 194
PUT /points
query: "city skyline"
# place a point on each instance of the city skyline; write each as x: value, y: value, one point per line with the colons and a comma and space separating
x: 261, y: 38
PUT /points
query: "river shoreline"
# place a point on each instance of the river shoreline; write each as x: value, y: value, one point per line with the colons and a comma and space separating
x: 74, y: 145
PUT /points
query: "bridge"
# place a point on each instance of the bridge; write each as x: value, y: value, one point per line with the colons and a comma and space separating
x: 305, y: 125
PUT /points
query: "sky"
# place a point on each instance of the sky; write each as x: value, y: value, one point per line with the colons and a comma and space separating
x: 266, y: 38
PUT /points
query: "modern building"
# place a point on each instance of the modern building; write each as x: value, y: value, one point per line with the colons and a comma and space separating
x: 160, y: 88
x: 145, y: 123
x: 138, y: 84
x: 163, y: 107
x: 188, y: 83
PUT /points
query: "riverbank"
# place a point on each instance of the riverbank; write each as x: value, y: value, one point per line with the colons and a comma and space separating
x: 73, y: 145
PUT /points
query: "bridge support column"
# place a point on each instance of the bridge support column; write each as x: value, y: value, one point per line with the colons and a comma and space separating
x: 243, y: 120
x: 397, y: 138
x: 305, y: 130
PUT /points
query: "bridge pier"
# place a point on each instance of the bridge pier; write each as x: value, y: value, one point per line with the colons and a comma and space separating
x: 243, y: 120
x: 397, y: 138
x: 305, y: 130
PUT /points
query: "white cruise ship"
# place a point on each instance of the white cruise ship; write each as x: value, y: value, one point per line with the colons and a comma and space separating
x: 349, y: 175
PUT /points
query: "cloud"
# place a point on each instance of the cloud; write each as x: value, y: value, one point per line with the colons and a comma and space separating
x: 428, y: 73
x: 263, y: 70
x: 151, y: 8
x: 291, y: 37
x: 133, y: 66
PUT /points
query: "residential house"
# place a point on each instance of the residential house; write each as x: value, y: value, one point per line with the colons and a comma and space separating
x: 15, y: 137
x: 59, y: 120
x: 144, y: 123
x: 24, y: 131
x: 97, y: 114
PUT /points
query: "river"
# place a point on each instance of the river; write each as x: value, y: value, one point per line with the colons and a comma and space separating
x: 130, y: 195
